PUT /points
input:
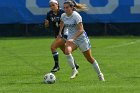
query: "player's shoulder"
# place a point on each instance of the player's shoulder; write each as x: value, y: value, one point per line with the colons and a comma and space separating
x: 76, y: 14
x: 63, y: 15
x: 50, y: 12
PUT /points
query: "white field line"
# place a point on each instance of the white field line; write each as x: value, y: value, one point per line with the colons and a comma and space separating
x: 123, y: 44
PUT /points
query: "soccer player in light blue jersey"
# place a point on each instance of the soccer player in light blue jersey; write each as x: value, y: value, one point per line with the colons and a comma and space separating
x: 76, y: 36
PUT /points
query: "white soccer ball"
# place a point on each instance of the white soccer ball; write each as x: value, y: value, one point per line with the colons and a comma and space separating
x: 49, y: 78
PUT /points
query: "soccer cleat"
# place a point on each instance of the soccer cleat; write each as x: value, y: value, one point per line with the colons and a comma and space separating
x: 55, y: 69
x: 77, y: 66
x: 101, y: 77
x: 74, y: 74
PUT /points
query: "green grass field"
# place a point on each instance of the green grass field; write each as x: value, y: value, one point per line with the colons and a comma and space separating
x: 25, y: 61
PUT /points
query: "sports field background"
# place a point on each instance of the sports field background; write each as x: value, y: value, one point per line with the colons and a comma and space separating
x: 25, y: 61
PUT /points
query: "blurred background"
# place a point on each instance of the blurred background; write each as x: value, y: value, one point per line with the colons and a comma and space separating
x: 103, y: 18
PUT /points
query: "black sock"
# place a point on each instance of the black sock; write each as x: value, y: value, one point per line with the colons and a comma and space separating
x: 55, y: 57
x: 75, y: 64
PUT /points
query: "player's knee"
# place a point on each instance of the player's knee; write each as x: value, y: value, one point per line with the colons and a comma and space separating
x: 53, y: 48
x: 67, y: 52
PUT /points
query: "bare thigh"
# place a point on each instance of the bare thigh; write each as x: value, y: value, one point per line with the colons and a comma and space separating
x: 58, y: 43
x: 88, y: 56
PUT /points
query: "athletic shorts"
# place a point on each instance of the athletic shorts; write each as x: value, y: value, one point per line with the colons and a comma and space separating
x: 83, y: 43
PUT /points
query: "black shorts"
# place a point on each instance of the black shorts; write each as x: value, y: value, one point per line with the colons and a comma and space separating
x: 56, y: 33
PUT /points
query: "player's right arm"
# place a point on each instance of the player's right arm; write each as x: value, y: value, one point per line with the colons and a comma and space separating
x: 47, y: 20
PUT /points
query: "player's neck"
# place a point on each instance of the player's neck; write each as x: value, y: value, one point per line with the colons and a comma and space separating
x: 69, y: 14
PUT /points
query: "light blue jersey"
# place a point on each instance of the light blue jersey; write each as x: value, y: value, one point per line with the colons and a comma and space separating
x: 70, y: 29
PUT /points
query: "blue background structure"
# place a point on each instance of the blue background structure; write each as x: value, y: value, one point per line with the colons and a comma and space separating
x: 15, y: 11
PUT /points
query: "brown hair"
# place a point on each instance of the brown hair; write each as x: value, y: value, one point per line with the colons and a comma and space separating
x: 77, y: 6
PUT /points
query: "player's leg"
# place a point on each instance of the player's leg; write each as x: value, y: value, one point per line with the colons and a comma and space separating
x: 68, y: 50
x: 85, y: 47
x: 63, y: 49
x: 89, y: 57
x: 56, y: 44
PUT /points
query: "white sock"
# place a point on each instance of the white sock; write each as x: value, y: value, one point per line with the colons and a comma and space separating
x: 96, y: 67
x: 71, y: 61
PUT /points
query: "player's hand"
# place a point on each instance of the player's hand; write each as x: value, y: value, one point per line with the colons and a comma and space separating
x: 70, y: 41
x: 46, y: 23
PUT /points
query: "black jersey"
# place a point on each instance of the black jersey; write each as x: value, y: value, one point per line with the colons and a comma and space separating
x: 54, y: 21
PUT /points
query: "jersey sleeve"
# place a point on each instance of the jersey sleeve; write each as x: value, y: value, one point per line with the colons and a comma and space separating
x: 78, y: 18
x: 62, y: 17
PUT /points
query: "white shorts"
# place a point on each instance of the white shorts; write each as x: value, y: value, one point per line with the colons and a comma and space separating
x: 83, y: 44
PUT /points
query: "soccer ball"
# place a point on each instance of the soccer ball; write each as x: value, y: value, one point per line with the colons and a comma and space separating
x: 49, y: 78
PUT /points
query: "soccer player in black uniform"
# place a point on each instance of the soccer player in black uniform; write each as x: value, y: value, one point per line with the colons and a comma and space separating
x: 52, y: 21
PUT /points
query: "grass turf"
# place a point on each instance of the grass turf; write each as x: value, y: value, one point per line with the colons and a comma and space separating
x: 25, y: 61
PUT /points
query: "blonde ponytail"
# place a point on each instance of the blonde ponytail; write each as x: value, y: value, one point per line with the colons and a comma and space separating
x: 81, y: 7
x: 77, y: 6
